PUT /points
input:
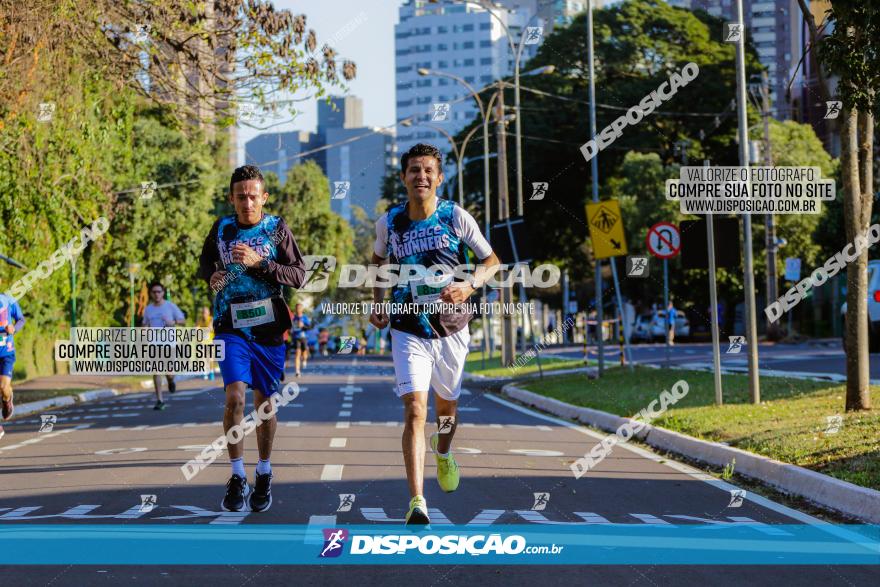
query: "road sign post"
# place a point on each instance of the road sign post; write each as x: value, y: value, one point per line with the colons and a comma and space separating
x: 664, y: 242
x: 609, y: 241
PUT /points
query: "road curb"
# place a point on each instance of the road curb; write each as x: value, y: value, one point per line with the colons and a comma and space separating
x: 31, y: 408
x: 590, y: 371
x: 823, y: 490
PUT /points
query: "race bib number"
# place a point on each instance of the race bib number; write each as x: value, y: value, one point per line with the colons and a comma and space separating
x: 252, y: 313
x: 424, y: 293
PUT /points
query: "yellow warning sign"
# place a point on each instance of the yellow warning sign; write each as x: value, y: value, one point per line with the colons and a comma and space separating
x: 606, y: 229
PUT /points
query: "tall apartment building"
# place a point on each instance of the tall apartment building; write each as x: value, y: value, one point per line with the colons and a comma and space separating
x: 358, y: 157
x: 775, y: 28
x: 277, y: 151
x: 461, y: 39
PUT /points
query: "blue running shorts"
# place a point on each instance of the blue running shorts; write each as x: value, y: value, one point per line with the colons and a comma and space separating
x: 6, y: 363
x: 257, y: 365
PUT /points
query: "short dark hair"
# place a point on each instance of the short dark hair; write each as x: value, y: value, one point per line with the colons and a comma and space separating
x: 155, y: 283
x: 244, y: 173
x: 421, y: 150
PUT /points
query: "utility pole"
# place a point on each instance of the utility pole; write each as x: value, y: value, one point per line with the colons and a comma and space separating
x: 594, y: 169
x: 769, y: 220
x: 751, y: 321
x: 508, y: 344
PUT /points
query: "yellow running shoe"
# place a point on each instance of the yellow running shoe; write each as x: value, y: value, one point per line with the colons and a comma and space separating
x: 447, y: 468
x: 418, y: 512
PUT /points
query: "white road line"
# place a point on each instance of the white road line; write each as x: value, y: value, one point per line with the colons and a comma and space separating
x: 468, y: 409
x: 344, y: 414
x: 43, y: 436
x: 346, y: 404
x: 332, y: 473
x: 693, y: 473
x: 343, y: 424
x: 338, y: 442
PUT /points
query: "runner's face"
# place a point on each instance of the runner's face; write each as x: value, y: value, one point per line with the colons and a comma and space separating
x: 157, y: 293
x: 422, y: 177
x: 248, y: 199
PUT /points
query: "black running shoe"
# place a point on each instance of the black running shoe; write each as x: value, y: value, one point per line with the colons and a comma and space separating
x: 172, y: 387
x: 237, y: 491
x: 261, y: 497
x: 160, y: 406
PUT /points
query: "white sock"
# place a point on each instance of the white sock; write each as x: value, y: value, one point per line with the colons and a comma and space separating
x: 238, y: 467
x: 263, y: 467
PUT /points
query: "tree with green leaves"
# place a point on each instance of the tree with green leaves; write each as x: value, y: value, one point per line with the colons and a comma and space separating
x: 848, y: 48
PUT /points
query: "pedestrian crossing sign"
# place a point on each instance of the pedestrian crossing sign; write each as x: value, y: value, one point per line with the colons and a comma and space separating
x: 606, y: 229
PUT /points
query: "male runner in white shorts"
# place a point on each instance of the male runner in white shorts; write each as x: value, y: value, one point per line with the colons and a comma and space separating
x: 429, y: 350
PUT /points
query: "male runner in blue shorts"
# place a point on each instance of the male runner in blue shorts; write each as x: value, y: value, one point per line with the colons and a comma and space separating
x: 428, y: 350
x: 246, y: 258
x: 11, y: 321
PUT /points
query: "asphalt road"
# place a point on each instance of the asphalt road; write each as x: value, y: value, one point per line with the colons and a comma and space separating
x: 826, y: 360
x: 342, y: 436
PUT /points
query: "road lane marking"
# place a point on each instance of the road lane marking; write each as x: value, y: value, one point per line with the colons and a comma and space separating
x: 346, y: 404
x: 338, y: 442
x: 343, y: 424
x: 344, y: 414
x: 332, y: 473
x: 536, y: 452
x: 314, y: 535
x: 43, y: 436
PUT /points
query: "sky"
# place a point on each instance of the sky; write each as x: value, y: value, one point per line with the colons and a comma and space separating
x: 364, y: 33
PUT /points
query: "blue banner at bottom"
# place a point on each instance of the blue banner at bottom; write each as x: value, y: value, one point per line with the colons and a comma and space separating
x: 599, y: 544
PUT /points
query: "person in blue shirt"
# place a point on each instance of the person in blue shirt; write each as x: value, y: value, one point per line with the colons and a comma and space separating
x: 299, y: 338
x: 671, y: 314
x: 11, y: 322
x: 246, y: 259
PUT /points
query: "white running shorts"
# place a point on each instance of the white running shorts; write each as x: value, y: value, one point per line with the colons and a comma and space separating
x: 422, y: 364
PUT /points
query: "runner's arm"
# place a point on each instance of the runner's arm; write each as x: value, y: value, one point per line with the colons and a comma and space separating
x: 289, y: 267
x: 210, y: 255
x: 470, y: 234
x: 18, y: 316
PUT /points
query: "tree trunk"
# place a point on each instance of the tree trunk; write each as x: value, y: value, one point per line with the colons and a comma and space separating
x: 857, y: 213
